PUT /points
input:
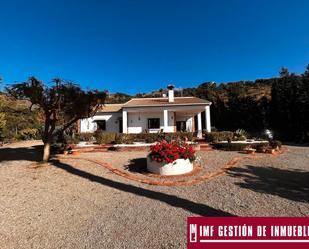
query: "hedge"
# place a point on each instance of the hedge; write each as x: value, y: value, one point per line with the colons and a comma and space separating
x: 86, y: 137
x: 121, y: 138
x: 105, y: 137
x: 238, y: 146
x: 218, y: 136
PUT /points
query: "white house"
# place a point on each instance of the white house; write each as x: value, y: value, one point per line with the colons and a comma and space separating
x: 167, y: 114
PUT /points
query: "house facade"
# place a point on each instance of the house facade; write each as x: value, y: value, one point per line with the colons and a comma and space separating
x: 166, y: 114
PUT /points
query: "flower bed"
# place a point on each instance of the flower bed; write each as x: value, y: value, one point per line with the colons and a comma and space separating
x: 170, y: 158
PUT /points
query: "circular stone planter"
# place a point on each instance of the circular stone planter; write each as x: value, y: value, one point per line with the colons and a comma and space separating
x: 178, y: 167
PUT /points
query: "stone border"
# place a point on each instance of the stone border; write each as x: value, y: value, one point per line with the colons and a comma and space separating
x: 196, y: 169
x: 230, y: 164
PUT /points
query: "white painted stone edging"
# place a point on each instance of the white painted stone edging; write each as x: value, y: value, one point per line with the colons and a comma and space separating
x: 178, y: 167
x: 140, y: 144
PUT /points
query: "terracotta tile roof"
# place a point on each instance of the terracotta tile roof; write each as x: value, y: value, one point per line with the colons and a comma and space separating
x: 110, y: 108
x: 153, y: 102
x: 164, y: 101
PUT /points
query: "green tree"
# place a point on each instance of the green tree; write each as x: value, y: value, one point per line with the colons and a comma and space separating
x: 290, y: 105
x: 284, y: 72
x: 62, y: 104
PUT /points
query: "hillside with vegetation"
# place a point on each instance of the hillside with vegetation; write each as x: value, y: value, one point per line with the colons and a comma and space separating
x: 16, y: 119
x: 117, y: 98
x: 280, y: 104
x: 236, y: 105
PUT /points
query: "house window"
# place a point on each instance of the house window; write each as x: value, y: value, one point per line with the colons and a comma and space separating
x: 101, y: 124
x: 153, y: 123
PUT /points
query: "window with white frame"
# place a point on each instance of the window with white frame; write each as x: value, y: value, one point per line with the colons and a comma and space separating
x: 153, y: 123
x: 101, y: 125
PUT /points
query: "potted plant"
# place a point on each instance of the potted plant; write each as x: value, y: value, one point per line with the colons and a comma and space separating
x: 172, y: 158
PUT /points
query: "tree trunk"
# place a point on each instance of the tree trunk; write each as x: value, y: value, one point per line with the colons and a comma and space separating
x: 48, y: 136
x: 46, y: 152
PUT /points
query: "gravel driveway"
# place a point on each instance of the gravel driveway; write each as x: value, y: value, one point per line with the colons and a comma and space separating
x: 77, y: 204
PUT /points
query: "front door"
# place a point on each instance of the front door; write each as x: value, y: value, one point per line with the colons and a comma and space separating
x: 120, y: 125
x: 181, y: 125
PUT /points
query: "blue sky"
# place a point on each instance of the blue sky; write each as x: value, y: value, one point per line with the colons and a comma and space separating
x: 137, y: 46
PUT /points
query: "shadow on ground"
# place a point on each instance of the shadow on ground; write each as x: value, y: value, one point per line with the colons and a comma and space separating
x: 137, y: 165
x: 193, y: 207
x: 289, y: 184
x: 33, y: 153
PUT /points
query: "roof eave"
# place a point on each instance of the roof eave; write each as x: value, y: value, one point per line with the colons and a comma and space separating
x: 164, y: 105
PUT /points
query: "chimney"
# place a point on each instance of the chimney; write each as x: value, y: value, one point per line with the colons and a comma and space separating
x: 170, y: 93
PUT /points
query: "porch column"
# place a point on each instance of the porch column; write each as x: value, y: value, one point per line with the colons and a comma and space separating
x: 124, y: 121
x: 165, y: 120
x: 207, y: 118
x: 199, y: 125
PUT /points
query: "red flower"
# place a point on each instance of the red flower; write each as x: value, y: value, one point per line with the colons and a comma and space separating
x: 169, y: 152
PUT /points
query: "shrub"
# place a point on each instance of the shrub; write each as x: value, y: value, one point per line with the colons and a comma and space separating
x: 105, y: 137
x: 153, y: 137
x: 29, y: 133
x: 124, y: 138
x: 71, y: 139
x: 169, y: 152
x: 238, y: 146
x: 61, y: 138
x: 219, y: 136
x: 240, y: 135
x: 58, y: 137
x: 275, y: 144
x: 184, y: 135
x: 86, y: 137
x: 261, y: 148
x: 241, y: 132
x: 230, y: 146
x: 240, y: 138
x: 176, y: 136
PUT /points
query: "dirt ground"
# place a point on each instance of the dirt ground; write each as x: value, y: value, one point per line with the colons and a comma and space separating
x: 78, y: 204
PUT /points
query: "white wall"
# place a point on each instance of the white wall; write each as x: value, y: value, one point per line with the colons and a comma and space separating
x: 87, y: 125
x: 138, y: 121
x: 112, y: 122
